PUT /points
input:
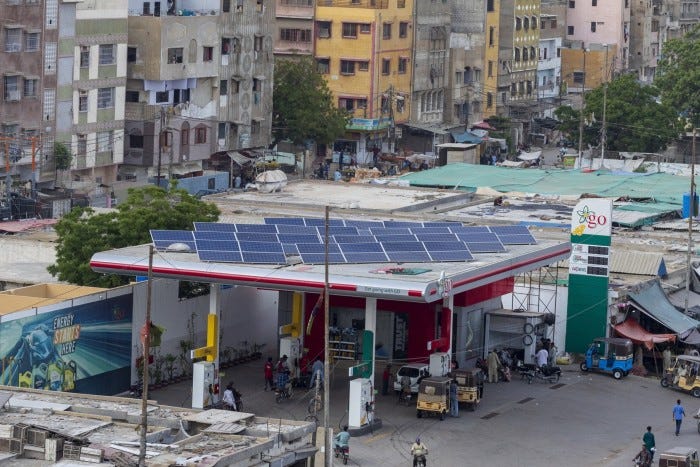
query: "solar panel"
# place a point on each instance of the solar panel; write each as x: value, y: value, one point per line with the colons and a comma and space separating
x: 441, y: 224
x: 517, y: 239
x: 403, y: 246
x: 260, y: 257
x: 361, y: 248
x: 338, y: 230
x: 163, y: 239
x: 258, y: 228
x: 364, y: 232
x: 297, y: 238
x: 290, y: 249
x: 214, y: 235
x: 395, y: 238
x: 469, y: 229
x: 320, y: 258
x: 366, y: 257
x: 317, y: 221
x: 463, y: 255
x: 354, y: 238
x: 261, y: 247
x: 430, y: 230
x: 403, y: 225
x: 256, y: 237
x: 317, y: 248
x: 510, y: 229
x: 217, y: 245
x: 408, y: 256
x: 296, y: 229
x: 445, y: 246
x: 214, y: 227
x: 364, y: 224
x: 447, y: 237
x: 220, y: 256
x: 394, y: 231
x: 477, y: 237
x: 284, y: 221
x: 486, y: 247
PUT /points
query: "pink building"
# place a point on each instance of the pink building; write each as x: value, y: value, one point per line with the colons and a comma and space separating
x: 601, y: 22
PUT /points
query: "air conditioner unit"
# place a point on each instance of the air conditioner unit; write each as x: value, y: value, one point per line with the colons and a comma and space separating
x: 12, y: 95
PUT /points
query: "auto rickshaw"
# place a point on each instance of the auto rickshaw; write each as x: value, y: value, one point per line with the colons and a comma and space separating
x: 470, y: 387
x: 683, y: 375
x: 609, y: 355
x: 679, y: 457
x: 434, y: 396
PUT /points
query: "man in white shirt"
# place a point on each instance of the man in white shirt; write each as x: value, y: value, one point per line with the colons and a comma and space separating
x: 542, y: 356
x: 228, y: 399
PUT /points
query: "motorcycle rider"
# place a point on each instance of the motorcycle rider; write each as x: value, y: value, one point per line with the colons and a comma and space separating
x: 419, y: 451
x: 341, y: 440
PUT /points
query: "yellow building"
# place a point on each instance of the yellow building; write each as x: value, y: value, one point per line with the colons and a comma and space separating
x: 364, y: 49
x: 493, y: 11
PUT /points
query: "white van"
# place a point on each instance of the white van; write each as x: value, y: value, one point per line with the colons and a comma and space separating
x: 414, y: 371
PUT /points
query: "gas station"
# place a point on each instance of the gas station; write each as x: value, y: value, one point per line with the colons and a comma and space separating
x: 407, y: 311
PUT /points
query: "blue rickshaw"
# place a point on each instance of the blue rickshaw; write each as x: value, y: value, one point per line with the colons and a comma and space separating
x: 609, y: 355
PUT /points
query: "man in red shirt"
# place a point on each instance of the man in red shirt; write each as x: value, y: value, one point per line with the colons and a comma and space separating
x: 268, y: 374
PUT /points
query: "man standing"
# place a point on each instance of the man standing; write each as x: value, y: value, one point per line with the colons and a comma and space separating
x: 493, y: 363
x: 386, y: 378
x: 454, y: 404
x: 268, y: 374
x: 649, y: 442
x: 316, y: 369
x: 678, y: 414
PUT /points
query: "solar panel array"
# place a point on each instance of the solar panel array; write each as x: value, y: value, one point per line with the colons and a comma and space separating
x: 350, y: 241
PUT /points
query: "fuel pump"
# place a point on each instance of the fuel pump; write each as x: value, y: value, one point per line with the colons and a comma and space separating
x: 291, y: 347
x: 439, y: 364
x: 361, y: 403
x: 204, y: 385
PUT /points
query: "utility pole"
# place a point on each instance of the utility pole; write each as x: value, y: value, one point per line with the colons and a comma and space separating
x: 161, y: 135
x: 690, y: 221
x: 328, y: 462
x: 603, y: 134
x: 146, y: 340
x: 580, y: 123
x: 8, y: 178
x: 392, y: 128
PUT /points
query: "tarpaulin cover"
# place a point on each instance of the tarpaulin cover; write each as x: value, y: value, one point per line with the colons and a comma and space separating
x: 653, y: 302
x: 633, y: 331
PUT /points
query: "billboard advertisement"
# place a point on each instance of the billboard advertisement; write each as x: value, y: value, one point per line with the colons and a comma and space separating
x: 83, y: 348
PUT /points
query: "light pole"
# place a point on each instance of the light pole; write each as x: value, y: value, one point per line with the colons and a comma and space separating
x: 580, y: 123
x: 691, y: 211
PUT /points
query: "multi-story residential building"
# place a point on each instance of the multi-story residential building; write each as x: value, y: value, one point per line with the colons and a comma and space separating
x: 647, y: 34
x: 518, y: 50
x: 467, y: 62
x: 491, y: 61
x: 594, y: 25
x: 364, y: 48
x: 199, y: 81
x: 294, y: 28
x: 552, y: 28
x: 34, y: 68
x: 96, y: 130
x: 683, y: 15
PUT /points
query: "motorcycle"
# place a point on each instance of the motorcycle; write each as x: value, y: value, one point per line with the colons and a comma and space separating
x: 548, y: 373
x: 643, y: 459
x: 419, y: 460
x: 343, y: 452
x: 282, y: 394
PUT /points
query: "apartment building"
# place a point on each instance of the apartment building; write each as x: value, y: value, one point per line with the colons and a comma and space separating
x: 552, y: 30
x: 97, y: 91
x: 294, y: 28
x: 365, y: 50
x: 683, y: 15
x: 647, y: 35
x: 491, y: 61
x: 467, y: 49
x: 33, y: 68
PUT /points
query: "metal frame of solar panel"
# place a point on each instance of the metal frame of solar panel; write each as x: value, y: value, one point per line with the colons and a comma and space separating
x: 284, y: 221
x: 214, y: 227
x: 163, y: 239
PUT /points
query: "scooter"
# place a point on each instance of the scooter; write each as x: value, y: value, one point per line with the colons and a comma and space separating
x: 342, y: 451
x: 550, y: 374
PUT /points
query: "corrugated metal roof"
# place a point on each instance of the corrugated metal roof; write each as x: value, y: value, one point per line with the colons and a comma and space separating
x: 635, y: 262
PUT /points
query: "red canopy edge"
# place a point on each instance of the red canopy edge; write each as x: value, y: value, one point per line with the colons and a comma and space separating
x: 633, y: 331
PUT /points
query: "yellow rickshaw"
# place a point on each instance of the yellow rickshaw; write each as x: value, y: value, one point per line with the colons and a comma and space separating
x: 683, y: 375
x: 470, y: 387
x: 434, y: 397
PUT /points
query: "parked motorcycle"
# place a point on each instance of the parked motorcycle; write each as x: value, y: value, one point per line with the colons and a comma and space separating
x: 342, y: 452
x: 282, y: 394
x: 547, y: 373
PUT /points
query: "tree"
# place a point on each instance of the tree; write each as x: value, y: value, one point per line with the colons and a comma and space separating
x: 635, y: 120
x: 82, y: 232
x: 303, y: 107
x: 62, y: 156
x: 678, y: 75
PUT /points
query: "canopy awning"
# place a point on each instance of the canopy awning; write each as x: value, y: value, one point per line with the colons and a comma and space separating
x: 239, y: 158
x: 466, y: 137
x: 653, y: 302
x: 632, y: 330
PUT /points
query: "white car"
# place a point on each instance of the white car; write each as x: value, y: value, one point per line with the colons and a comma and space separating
x: 414, y: 371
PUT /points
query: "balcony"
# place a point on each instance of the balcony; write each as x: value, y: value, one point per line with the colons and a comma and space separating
x: 376, y: 4
x: 104, y: 158
x: 178, y: 8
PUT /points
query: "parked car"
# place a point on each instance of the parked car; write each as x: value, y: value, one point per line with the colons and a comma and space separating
x: 414, y: 371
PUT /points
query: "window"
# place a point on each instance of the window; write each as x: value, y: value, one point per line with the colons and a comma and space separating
x: 489, y: 100
x: 207, y: 54
x: 525, y: 55
x: 572, y: 3
x: 258, y: 43
x: 526, y: 23
x: 578, y: 77
x: 553, y: 24
x: 323, y: 65
x: 533, y: 53
x: 180, y: 96
x: 363, y: 65
x: 403, y: 29
x: 593, y: 26
x: 107, y: 54
x: 386, y: 66
x: 490, y: 69
x: 105, y: 98
x: 11, y: 88
x: 49, y: 108
x: 82, y: 145
x: 50, y: 49
x: 147, y: 8
x: 104, y: 141
x: 175, y: 55
x: 594, y: 2
x: 136, y: 140
x: 347, y: 67
x: 558, y: 52
x: 492, y: 32
x: 570, y: 30
x: 324, y: 29
x: 82, y: 101
x: 131, y: 54
x: 400, y: 3
x: 185, y: 137
x: 84, y: 56
x: 365, y: 28
x: 239, y: 6
x: 226, y: 6
x: 517, y: 54
x: 347, y: 104
x: 255, y: 127
x: 31, y: 42
x: 533, y: 22
x: 200, y: 135
x: 386, y: 31
x: 223, y: 87
x: 13, y: 40
x: 162, y: 97
x: 30, y: 87
x: 259, y: 7
x: 403, y: 64
x: 543, y: 54
x: 489, y: 5
x: 350, y: 30
x: 295, y: 35
x: 131, y: 96
x: 51, y: 14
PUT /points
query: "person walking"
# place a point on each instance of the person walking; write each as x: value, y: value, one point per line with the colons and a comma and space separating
x: 493, y: 364
x: 386, y: 379
x: 454, y: 404
x: 678, y: 414
x: 649, y: 442
x: 316, y: 369
x: 269, y: 382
